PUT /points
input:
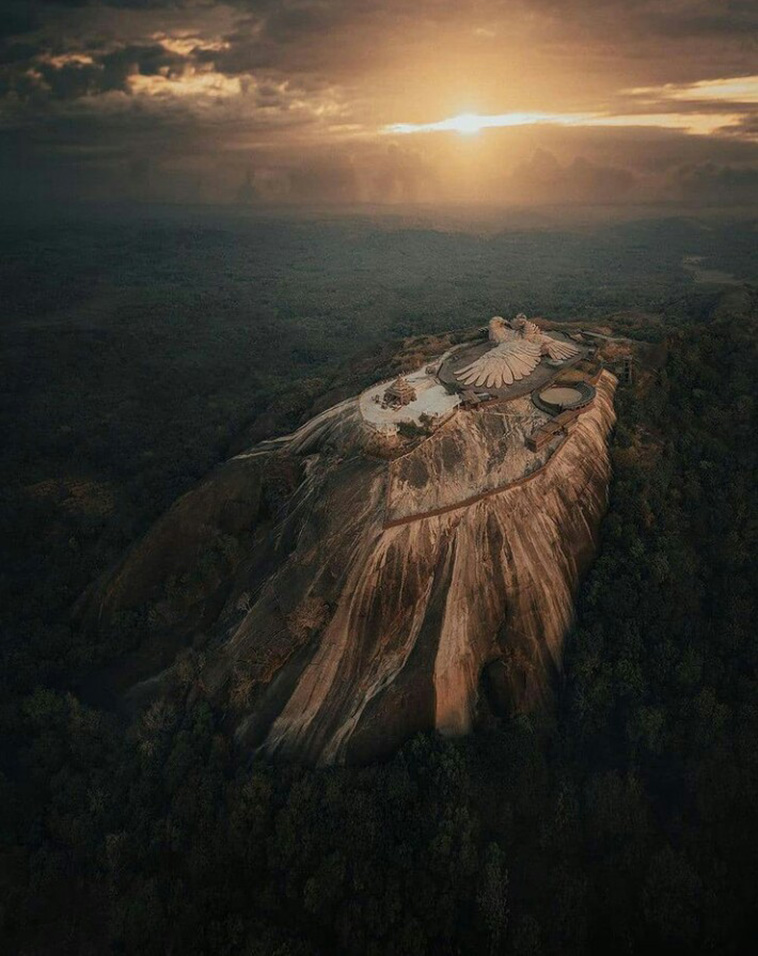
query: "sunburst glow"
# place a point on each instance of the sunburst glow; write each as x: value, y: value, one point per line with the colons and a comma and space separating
x: 469, y: 123
x: 325, y: 101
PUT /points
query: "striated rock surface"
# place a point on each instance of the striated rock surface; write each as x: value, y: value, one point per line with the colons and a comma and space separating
x: 357, y: 596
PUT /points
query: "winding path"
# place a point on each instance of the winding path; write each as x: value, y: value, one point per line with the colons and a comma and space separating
x: 467, y: 502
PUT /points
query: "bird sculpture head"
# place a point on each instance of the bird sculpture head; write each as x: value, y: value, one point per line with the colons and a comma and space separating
x: 500, y: 331
x: 522, y: 325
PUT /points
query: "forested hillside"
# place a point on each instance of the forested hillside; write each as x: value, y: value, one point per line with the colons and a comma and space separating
x: 627, y: 820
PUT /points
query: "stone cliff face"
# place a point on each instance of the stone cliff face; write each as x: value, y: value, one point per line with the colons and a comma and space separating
x: 365, y: 599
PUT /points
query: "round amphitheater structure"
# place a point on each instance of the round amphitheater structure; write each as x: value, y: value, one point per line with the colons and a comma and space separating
x: 564, y: 398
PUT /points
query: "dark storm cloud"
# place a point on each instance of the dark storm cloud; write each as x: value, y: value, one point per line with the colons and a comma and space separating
x: 669, y: 18
x: 30, y: 71
x: 18, y: 18
x: 289, y: 34
x: 17, y: 52
x: 285, y: 22
x: 308, y: 35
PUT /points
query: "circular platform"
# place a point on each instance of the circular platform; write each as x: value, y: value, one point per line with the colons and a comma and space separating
x: 562, y: 398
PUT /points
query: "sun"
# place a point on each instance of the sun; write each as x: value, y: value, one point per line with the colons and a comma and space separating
x: 467, y: 124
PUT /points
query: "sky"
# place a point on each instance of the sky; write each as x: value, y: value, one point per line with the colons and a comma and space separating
x: 380, y: 101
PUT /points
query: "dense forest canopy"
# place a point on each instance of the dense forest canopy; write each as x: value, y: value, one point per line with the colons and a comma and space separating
x: 138, y: 354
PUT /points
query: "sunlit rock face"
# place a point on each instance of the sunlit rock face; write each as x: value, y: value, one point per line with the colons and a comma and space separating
x: 380, y: 595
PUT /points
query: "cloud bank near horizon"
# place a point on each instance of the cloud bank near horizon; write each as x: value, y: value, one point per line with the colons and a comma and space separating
x: 379, y: 101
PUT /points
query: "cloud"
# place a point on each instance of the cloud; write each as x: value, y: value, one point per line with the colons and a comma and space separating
x: 299, y: 90
x: 694, y: 121
x: 659, y: 18
x: 737, y: 90
x: 362, y: 174
x: 39, y: 73
x: 543, y: 179
x: 18, y: 17
x: 715, y: 184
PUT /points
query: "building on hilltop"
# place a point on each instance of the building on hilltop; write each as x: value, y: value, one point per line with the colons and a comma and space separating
x: 400, y: 392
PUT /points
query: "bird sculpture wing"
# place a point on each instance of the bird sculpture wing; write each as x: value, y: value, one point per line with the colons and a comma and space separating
x: 530, y: 329
x: 505, y: 364
x: 558, y: 349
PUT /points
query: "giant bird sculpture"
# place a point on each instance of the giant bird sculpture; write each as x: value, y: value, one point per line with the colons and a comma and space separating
x: 519, y: 348
x: 557, y: 349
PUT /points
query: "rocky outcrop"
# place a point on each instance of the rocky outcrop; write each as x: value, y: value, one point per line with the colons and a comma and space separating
x: 368, y: 599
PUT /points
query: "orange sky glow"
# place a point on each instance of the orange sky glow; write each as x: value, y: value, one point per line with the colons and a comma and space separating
x: 336, y: 101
